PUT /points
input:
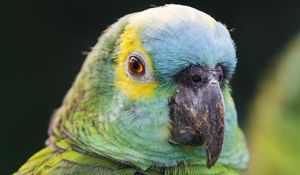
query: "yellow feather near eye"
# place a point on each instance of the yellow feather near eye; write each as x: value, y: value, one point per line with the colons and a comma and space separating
x: 132, y: 88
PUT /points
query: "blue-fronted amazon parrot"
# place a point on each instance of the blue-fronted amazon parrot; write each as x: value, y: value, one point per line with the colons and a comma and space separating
x: 275, y: 116
x: 152, y: 97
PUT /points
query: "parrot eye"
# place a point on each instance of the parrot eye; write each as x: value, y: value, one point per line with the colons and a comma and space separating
x: 136, y: 65
x: 220, y: 71
x: 220, y: 77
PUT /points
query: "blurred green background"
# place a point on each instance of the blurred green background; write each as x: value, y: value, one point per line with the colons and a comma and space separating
x: 43, y: 43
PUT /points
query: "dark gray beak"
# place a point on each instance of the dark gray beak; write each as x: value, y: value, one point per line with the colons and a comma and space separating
x: 197, y: 111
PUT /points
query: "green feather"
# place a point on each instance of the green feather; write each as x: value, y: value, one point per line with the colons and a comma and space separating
x: 53, y: 161
x: 59, y: 161
x: 99, y: 130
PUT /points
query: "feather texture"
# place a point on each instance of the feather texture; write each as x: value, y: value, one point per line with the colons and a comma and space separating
x: 116, y: 118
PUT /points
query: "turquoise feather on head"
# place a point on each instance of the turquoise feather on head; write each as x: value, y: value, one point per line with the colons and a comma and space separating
x: 154, y: 92
x: 178, y: 36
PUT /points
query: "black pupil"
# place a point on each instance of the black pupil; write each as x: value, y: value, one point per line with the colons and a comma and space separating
x: 220, y: 77
x: 135, y: 65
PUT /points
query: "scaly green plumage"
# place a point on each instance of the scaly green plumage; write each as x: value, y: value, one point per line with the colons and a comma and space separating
x: 112, y: 122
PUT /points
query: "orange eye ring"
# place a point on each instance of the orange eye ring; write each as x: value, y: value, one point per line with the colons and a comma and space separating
x: 136, y: 66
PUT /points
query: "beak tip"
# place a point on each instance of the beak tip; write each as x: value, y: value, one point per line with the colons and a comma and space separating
x: 212, y: 156
x: 210, y: 163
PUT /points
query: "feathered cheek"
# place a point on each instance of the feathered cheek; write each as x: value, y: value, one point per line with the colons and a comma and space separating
x: 134, y: 72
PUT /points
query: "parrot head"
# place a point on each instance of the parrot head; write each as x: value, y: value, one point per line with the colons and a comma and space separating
x: 154, y: 91
x: 185, y: 50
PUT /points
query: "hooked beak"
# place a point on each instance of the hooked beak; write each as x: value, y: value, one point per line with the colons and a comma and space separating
x: 197, y: 111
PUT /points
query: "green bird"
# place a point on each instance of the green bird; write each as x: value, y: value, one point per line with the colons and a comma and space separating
x: 152, y: 97
x: 274, y: 120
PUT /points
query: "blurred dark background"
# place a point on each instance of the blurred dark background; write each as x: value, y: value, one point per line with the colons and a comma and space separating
x: 42, y: 45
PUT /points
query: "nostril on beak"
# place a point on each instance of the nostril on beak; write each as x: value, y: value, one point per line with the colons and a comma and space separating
x: 213, y: 82
x: 196, y: 78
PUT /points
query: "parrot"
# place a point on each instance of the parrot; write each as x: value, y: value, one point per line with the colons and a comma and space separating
x: 152, y: 97
x: 273, y: 130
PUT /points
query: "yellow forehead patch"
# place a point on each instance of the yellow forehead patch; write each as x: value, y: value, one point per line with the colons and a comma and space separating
x: 133, y: 88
